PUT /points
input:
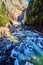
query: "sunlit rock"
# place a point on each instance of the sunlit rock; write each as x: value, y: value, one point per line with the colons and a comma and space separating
x: 4, y: 31
x: 15, y: 7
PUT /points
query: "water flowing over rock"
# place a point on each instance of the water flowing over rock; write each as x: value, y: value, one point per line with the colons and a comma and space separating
x: 27, y: 63
x: 16, y: 62
x: 12, y: 53
x: 22, y: 17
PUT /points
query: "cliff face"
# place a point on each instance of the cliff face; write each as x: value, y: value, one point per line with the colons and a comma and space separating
x: 15, y: 7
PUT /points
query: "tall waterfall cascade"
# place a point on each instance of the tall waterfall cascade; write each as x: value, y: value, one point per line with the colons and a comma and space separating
x: 24, y: 18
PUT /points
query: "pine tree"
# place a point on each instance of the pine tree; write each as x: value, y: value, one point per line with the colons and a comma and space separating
x: 3, y: 9
x: 35, y: 13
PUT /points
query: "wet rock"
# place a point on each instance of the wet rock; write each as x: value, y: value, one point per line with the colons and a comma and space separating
x: 1, y: 53
x: 3, y: 60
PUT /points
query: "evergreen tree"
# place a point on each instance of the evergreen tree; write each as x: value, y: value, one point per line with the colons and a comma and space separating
x: 35, y: 13
x: 3, y: 9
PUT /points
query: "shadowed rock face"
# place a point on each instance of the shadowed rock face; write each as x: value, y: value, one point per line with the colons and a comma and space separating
x: 15, y: 7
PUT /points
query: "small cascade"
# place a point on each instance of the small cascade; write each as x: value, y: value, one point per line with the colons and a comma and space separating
x: 22, y: 17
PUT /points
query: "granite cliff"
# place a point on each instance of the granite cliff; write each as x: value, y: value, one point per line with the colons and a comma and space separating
x: 14, y: 7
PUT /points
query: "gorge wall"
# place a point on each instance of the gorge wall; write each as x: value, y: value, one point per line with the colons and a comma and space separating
x: 15, y: 7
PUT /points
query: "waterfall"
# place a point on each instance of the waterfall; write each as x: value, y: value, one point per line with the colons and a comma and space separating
x: 23, y: 20
x: 24, y: 15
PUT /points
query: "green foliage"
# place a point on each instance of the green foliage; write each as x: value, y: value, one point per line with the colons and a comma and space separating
x: 4, y: 20
x: 3, y: 15
x: 3, y: 9
x: 35, y: 13
x: 36, y: 60
x: 13, y: 38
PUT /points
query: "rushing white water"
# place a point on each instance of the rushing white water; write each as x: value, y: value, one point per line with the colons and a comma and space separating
x: 21, y: 17
x: 24, y: 17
